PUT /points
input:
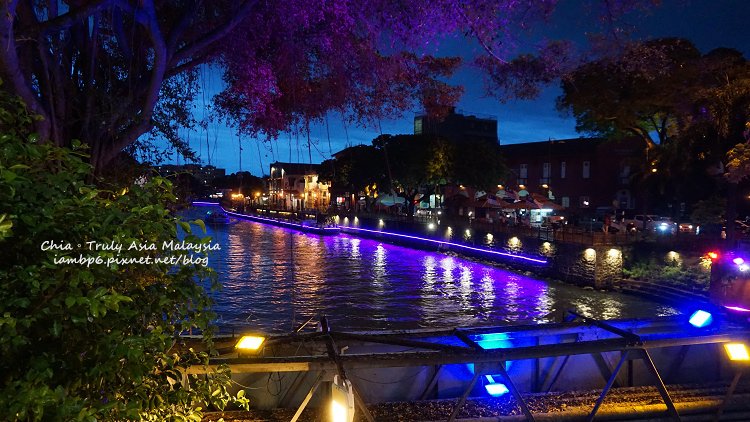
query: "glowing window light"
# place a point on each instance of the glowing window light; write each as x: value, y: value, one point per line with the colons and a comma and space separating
x: 468, y: 232
x: 431, y: 226
x: 700, y: 319
x: 738, y: 261
x: 454, y: 245
x: 381, y: 222
x: 489, y: 237
x: 250, y: 343
x: 493, y: 388
x: 737, y: 351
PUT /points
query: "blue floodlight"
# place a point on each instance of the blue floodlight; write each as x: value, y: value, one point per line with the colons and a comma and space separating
x: 494, y: 389
x: 700, y: 319
x: 494, y: 341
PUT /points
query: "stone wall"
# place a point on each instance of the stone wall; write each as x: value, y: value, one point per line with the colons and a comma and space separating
x: 595, y: 266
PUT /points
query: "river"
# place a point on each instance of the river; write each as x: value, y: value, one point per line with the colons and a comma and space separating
x: 274, y: 278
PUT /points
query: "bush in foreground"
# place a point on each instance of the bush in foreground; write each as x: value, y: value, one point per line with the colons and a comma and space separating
x: 92, y: 342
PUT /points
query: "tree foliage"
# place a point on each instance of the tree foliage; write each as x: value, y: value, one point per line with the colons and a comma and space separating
x: 416, y: 163
x: 697, y: 105
x: 635, y: 93
x: 242, y: 181
x: 93, y: 342
x: 109, y: 71
x: 354, y: 168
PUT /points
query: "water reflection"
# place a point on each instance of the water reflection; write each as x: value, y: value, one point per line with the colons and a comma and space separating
x: 274, y: 279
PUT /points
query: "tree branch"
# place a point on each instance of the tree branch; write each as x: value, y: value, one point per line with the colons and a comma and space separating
x: 74, y: 15
x: 196, y: 61
x: 176, y: 33
x: 479, y: 38
x: 211, y: 37
x: 10, y: 68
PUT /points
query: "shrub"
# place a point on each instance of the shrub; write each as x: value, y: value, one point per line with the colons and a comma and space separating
x: 93, y: 342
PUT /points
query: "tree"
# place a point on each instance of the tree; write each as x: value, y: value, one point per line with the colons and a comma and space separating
x: 107, y: 72
x: 354, y: 168
x: 697, y: 105
x: 638, y: 92
x: 243, y: 182
x: 93, y: 341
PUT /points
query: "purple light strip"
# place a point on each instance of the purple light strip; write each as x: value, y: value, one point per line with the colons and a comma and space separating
x: 204, y: 203
x: 737, y: 308
x: 281, y: 222
x: 458, y: 245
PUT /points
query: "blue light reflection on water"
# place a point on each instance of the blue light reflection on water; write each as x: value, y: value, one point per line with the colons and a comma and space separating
x: 274, y: 278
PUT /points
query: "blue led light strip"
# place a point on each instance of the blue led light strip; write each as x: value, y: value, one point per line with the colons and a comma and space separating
x: 457, y: 245
x: 205, y: 203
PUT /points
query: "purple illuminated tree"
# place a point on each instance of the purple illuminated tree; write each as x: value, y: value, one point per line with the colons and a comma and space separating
x: 109, y: 71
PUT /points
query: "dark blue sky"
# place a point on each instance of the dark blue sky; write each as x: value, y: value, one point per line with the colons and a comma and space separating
x: 708, y: 23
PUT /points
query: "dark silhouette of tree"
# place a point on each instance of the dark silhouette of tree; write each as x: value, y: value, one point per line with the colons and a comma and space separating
x: 697, y: 105
x: 107, y: 72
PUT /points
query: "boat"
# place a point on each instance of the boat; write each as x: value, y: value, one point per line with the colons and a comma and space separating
x: 217, y: 218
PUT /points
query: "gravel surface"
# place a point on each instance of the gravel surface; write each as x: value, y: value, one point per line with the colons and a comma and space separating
x: 561, y: 403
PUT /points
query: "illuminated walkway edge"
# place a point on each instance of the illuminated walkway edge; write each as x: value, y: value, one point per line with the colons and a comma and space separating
x: 440, y: 243
x: 358, y: 231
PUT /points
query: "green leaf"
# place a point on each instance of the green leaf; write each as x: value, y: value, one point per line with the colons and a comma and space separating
x: 200, y: 224
x: 56, y: 328
x: 185, y: 226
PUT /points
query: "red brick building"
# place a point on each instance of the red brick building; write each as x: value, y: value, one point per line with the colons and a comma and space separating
x: 580, y: 174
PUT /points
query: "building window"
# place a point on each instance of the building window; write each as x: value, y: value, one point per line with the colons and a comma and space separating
x: 584, y: 202
x: 546, y: 170
x: 586, y: 169
x: 566, y: 201
x: 523, y: 171
x: 562, y: 170
x: 624, y: 175
x: 418, y: 126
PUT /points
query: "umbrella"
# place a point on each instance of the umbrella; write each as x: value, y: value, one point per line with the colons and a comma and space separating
x: 521, y: 205
x: 388, y: 200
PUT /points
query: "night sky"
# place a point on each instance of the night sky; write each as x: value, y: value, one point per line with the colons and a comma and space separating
x: 708, y: 24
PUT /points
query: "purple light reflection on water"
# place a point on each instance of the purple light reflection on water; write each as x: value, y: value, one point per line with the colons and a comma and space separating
x: 275, y: 278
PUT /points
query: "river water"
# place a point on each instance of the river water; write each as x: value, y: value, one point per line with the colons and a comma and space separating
x: 274, y: 278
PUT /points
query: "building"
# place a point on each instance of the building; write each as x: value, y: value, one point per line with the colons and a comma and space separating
x: 581, y: 174
x: 204, y: 174
x: 295, y: 186
x: 457, y: 126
